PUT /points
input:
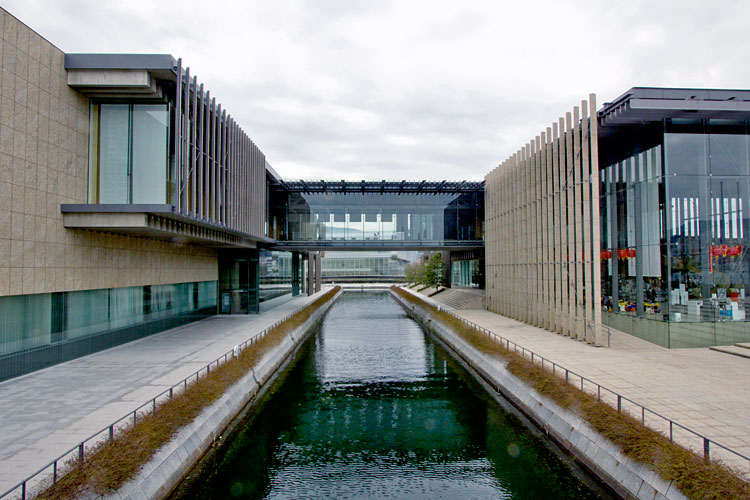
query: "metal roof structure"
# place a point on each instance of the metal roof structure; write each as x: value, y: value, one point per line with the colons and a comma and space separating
x: 650, y: 104
x: 427, y: 187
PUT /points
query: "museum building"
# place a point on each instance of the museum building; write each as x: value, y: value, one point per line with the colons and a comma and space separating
x: 634, y: 218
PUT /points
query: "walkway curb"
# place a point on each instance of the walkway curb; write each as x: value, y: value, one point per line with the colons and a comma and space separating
x: 625, y: 476
x: 173, y: 461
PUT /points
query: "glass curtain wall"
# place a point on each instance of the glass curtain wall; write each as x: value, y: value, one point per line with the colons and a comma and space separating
x: 75, y: 323
x: 362, y: 264
x: 275, y: 271
x: 708, y: 172
x: 466, y: 273
x: 379, y: 217
x: 129, y: 153
x: 674, y: 236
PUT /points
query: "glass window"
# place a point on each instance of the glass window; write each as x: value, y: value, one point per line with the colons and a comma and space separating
x: 114, y: 154
x: 685, y: 154
x: 130, y: 159
x: 150, y: 129
x: 728, y: 154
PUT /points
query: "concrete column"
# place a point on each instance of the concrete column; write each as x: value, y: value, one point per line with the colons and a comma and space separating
x: 557, y: 224
x: 310, y: 273
x: 588, y: 249
x: 580, y: 330
x: 550, y: 235
x: 595, y: 236
x: 570, y: 210
x: 318, y: 270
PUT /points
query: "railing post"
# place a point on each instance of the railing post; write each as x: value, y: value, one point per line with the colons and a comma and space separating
x: 80, y: 452
x: 643, y: 415
x: 619, y: 403
x: 670, y: 430
x: 111, y: 432
x: 706, y: 451
x: 54, y: 472
x: 23, y: 491
x: 153, y: 405
x: 566, y: 374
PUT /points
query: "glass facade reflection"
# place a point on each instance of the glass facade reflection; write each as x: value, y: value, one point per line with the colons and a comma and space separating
x: 250, y: 279
x: 356, y: 217
x: 674, y: 236
x: 276, y: 273
x: 43, y: 329
x: 363, y: 264
x: 467, y: 273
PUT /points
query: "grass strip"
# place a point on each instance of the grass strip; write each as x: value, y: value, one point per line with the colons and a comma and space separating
x: 695, y: 477
x: 112, y: 463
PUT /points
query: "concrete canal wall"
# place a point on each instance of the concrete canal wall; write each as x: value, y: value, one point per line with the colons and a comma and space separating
x: 173, y: 461
x: 628, y: 478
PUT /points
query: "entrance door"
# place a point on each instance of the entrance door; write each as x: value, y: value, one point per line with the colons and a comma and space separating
x: 238, y: 283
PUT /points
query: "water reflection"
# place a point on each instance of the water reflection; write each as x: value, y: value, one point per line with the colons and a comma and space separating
x: 374, y: 409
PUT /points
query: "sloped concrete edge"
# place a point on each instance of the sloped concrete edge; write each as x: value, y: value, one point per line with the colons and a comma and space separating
x: 175, y: 459
x: 628, y: 478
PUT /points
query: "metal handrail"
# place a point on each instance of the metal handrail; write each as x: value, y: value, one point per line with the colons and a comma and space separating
x: 110, y: 429
x: 707, y: 442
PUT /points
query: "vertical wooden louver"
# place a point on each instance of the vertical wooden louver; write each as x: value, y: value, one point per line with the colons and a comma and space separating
x: 542, y: 238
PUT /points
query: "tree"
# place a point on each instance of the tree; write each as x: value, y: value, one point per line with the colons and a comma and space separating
x: 410, y: 273
x: 433, y: 271
x: 419, y: 273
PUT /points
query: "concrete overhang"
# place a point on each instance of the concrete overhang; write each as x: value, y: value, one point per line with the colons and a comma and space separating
x: 120, y: 75
x: 157, y: 222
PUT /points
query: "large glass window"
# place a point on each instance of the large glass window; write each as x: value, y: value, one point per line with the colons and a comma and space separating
x: 424, y: 217
x: 71, y: 324
x: 150, y: 133
x: 129, y: 153
x: 114, y: 153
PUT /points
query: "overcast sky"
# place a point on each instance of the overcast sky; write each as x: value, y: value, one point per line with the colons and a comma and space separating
x: 353, y: 89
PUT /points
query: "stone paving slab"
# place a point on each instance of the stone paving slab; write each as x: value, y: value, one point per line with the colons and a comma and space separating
x: 47, y: 412
x: 704, y: 390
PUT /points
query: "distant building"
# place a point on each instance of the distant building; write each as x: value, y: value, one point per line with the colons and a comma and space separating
x: 372, y: 266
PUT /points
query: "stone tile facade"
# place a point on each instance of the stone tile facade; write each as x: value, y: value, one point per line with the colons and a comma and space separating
x: 44, y: 132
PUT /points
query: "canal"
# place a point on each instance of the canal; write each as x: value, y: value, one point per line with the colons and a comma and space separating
x: 373, y: 408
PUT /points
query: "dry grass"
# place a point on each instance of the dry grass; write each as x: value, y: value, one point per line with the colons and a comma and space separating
x: 695, y: 477
x: 117, y: 461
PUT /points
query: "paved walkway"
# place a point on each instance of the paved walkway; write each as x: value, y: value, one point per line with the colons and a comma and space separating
x: 45, y: 413
x: 704, y: 390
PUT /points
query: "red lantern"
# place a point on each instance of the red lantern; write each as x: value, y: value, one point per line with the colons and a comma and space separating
x: 631, y: 253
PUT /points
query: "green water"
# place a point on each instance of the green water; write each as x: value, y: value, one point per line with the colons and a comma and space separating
x: 374, y: 409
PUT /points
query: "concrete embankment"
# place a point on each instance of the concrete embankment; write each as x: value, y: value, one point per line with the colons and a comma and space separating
x: 173, y: 461
x: 625, y: 476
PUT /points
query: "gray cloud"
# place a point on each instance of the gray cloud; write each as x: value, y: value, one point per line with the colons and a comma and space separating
x: 419, y: 89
